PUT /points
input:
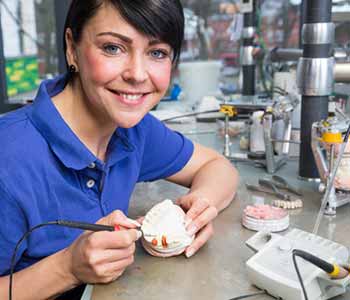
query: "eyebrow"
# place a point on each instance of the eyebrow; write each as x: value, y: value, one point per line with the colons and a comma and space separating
x: 117, y: 35
x: 127, y: 39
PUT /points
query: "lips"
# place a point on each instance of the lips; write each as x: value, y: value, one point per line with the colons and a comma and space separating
x: 129, y: 98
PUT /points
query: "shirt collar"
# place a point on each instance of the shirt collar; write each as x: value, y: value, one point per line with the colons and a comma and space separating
x: 119, y: 147
x: 62, y: 140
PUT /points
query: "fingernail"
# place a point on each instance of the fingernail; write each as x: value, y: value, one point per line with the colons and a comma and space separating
x: 189, y: 252
x: 139, y: 234
x: 134, y: 222
x: 192, y: 230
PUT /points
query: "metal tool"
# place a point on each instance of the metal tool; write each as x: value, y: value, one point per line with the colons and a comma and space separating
x: 279, y: 195
x: 330, y: 185
x: 281, y: 183
x: 271, y: 268
x: 229, y: 111
x: 326, y: 135
x: 269, y: 184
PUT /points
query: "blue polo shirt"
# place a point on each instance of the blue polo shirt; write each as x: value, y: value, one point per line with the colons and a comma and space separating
x: 46, y: 174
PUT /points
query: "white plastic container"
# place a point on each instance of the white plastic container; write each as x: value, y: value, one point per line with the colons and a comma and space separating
x: 199, y: 79
x: 256, y: 140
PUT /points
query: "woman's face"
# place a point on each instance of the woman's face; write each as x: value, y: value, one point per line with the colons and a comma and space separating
x: 123, y: 73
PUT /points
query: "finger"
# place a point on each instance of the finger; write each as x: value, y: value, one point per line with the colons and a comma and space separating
x: 113, y: 239
x: 186, y: 201
x: 140, y: 219
x: 117, y: 217
x: 103, y: 256
x: 202, y: 220
x: 202, y: 237
x: 196, y: 209
x: 111, y: 270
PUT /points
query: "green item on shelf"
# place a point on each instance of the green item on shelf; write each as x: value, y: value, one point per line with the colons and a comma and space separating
x: 22, y: 75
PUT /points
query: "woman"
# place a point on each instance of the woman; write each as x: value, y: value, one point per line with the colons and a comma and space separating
x: 78, y: 151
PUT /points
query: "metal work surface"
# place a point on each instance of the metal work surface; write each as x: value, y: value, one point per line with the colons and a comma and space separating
x: 217, y: 271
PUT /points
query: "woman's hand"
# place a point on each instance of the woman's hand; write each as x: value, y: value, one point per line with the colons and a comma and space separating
x: 101, y: 257
x: 199, y: 216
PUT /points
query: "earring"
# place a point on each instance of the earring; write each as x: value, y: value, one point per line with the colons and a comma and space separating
x: 72, y: 69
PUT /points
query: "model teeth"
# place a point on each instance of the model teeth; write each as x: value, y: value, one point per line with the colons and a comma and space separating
x: 131, y: 97
x: 164, y: 232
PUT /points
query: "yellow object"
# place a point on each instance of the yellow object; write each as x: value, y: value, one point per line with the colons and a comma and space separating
x: 332, y: 138
x: 269, y: 109
x: 228, y: 110
x: 335, y: 272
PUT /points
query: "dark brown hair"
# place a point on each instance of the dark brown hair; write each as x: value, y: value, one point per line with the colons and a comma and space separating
x: 161, y: 19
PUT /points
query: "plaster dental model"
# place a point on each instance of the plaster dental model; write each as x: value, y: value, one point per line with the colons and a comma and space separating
x: 164, y: 232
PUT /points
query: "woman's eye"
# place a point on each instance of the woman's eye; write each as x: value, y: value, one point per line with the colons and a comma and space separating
x: 159, y: 54
x: 112, y: 49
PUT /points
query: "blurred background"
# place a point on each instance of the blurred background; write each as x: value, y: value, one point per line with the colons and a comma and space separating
x: 30, y: 38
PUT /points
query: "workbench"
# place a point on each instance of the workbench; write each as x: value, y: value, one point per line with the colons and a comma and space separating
x: 217, y: 271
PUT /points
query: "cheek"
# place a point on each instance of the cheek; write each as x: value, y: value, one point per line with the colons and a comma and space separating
x: 98, y: 68
x: 160, y: 76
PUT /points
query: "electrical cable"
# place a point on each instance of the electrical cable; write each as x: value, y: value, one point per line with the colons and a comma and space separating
x: 249, y: 295
x: 190, y: 115
x: 333, y: 270
x: 280, y: 91
x: 299, y: 276
x: 71, y: 224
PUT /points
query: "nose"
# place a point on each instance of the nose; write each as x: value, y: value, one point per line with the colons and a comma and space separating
x: 135, y: 70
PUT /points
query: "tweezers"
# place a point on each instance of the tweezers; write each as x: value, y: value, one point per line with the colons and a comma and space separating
x: 281, y: 183
x: 277, y: 194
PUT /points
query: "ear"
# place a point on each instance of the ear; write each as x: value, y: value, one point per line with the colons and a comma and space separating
x: 71, y: 49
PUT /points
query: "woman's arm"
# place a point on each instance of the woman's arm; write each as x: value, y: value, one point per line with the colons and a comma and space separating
x: 209, y: 175
x: 46, y: 279
x: 94, y: 257
x: 213, y: 183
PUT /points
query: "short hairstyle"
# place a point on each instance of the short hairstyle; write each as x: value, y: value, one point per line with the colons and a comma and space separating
x: 161, y: 19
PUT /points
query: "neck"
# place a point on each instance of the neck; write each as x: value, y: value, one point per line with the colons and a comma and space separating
x: 92, y: 129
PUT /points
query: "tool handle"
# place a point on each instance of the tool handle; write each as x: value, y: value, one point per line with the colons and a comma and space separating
x: 258, y: 189
x: 255, y: 188
x: 88, y: 226
x: 276, y: 192
x: 283, y: 184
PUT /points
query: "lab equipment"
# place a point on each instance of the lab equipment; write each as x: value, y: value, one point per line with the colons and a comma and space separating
x: 282, y: 183
x: 229, y: 111
x: 271, y: 268
x: 272, y: 190
x: 246, y: 6
x: 257, y: 143
x: 279, y: 112
x: 326, y: 136
x: 270, y: 184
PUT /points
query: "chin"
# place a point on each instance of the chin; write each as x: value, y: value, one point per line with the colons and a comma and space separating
x: 129, y: 119
x: 128, y: 122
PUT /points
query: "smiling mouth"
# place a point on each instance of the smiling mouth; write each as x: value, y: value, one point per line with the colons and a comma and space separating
x: 129, y: 96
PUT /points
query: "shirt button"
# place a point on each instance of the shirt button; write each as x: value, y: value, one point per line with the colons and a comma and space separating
x: 90, y: 183
x: 92, y: 165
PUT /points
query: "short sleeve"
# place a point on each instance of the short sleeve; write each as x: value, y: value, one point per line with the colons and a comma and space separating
x: 165, y: 151
x: 13, y: 226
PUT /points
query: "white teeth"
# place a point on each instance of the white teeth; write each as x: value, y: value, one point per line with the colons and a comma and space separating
x: 131, y: 97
